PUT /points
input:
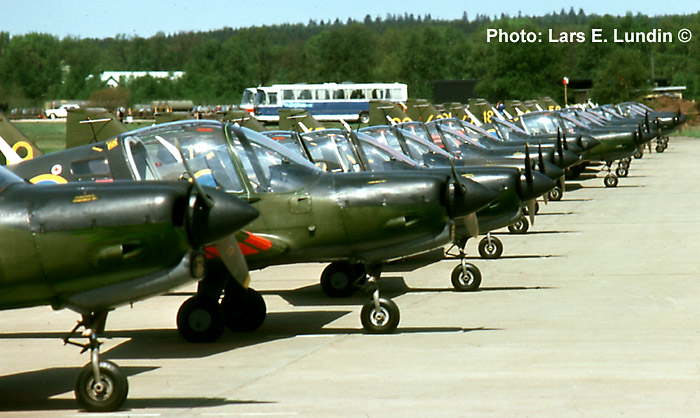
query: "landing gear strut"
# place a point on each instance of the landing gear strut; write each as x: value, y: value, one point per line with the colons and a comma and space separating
x: 101, y: 386
x: 379, y: 315
x: 610, y: 179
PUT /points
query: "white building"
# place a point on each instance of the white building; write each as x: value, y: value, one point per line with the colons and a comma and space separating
x: 112, y: 78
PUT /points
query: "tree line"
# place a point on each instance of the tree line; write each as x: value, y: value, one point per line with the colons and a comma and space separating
x: 415, y: 50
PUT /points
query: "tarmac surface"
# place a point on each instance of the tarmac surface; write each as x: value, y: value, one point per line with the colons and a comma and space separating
x: 593, y: 313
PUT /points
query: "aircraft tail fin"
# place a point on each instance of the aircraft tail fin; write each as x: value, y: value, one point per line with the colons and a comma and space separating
x: 18, y: 142
x: 385, y: 112
x: 244, y: 119
x: 85, y: 126
x: 298, y: 120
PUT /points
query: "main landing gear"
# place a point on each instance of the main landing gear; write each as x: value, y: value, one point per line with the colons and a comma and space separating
x: 341, y: 279
x: 204, y: 316
x: 101, y: 386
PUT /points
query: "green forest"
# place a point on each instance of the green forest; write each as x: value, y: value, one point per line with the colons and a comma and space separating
x: 405, y: 48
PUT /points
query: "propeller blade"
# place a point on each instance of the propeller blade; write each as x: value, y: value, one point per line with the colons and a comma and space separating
x: 541, y: 157
x: 531, y: 207
x: 562, y: 183
x: 528, y: 167
x: 206, y: 199
x: 560, y: 148
x: 233, y: 259
x: 564, y: 141
x: 646, y: 121
x: 472, y: 224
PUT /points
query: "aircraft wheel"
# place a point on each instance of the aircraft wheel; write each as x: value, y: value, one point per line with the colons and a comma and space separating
x: 466, y: 282
x: 660, y: 148
x: 556, y: 194
x: 380, y: 321
x: 638, y: 155
x: 519, y: 227
x: 610, y: 181
x: 200, y: 320
x: 364, y: 117
x: 491, y: 250
x: 105, y: 396
x: 338, y: 278
x: 621, y: 172
x: 244, y: 311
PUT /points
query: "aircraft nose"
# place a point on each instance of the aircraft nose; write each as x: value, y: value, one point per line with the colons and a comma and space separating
x: 469, y: 197
x: 539, y: 184
x: 224, y: 215
x: 565, y: 159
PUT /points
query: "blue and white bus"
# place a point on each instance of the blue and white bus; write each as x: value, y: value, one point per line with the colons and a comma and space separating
x: 327, y: 101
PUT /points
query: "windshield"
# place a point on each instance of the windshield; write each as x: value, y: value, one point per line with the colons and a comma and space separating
x: 539, y: 124
x: 381, y: 157
x: 203, y: 145
x: 268, y: 167
x: 332, y: 151
x: 508, y: 129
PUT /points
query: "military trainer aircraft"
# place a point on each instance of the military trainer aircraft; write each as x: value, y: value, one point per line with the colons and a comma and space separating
x: 362, y: 219
x: 93, y: 247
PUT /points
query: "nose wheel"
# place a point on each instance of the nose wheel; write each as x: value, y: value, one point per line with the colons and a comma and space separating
x: 490, y: 247
x: 101, y: 386
x: 519, y: 227
x: 465, y: 277
x: 379, y: 315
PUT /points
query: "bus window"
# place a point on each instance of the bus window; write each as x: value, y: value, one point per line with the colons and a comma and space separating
x: 260, y: 98
x: 305, y: 95
x: 357, y: 94
x: 272, y: 98
x: 377, y: 94
x: 287, y: 95
x: 339, y: 94
x: 322, y: 95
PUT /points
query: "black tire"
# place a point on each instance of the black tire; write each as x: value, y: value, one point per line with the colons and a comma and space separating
x: 660, y: 148
x: 383, y: 321
x: 519, y: 227
x: 245, y: 311
x: 339, y: 279
x: 638, y: 155
x: 610, y: 181
x: 622, y: 172
x: 364, y: 117
x: 466, y: 283
x: 556, y: 194
x: 200, y: 319
x: 110, y: 396
x: 492, y: 250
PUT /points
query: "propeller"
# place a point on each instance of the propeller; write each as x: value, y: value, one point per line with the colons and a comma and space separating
x: 646, y: 121
x: 228, y: 248
x: 541, y: 157
x: 564, y: 141
x: 471, y: 221
x: 560, y: 148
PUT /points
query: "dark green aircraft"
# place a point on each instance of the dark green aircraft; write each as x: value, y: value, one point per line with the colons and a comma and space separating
x: 93, y: 247
x: 356, y: 220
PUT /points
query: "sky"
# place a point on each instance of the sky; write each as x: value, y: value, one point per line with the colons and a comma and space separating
x: 145, y: 18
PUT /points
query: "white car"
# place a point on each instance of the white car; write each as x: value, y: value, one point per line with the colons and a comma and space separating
x: 61, y: 112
